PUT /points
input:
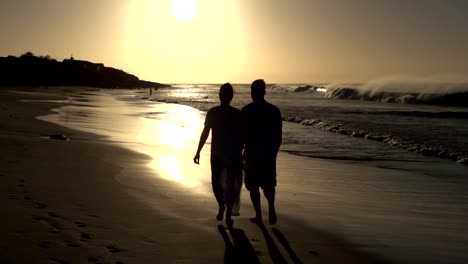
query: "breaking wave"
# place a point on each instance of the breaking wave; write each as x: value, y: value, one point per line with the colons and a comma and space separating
x: 298, y: 88
x: 405, y: 91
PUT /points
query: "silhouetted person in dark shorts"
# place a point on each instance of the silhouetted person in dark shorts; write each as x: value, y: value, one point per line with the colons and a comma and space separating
x: 262, y: 129
x: 226, y: 150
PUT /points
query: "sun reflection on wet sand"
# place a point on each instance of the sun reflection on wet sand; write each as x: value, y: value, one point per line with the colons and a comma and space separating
x: 170, y: 164
x: 169, y: 167
x: 176, y: 132
x: 168, y: 133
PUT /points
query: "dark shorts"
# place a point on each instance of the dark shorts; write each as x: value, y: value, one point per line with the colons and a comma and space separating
x: 260, y: 174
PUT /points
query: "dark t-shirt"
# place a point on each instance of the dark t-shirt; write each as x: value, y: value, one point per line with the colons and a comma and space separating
x: 262, y: 123
x: 225, y: 123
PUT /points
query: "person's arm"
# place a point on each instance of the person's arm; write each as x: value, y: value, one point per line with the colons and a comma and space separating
x: 203, y: 137
x: 279, y: 138
x: 243, y: 131
x: 279, y: 132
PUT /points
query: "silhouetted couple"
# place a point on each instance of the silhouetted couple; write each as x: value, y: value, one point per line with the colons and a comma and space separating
x: 251, y: 139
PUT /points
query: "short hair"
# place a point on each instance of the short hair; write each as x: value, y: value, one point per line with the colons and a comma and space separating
x: 259, y: 85
x: 258, y: 89
x: 226, y: 93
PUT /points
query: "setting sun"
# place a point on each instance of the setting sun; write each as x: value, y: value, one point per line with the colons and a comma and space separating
x: 184, y: 10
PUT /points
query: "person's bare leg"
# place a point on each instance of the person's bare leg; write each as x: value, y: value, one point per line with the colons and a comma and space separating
x: 255, y: 197
x: 216, y: 174
x: 230, y: 195
x: 229, y: 221
x: 269, y: 193
x: 218, y: 192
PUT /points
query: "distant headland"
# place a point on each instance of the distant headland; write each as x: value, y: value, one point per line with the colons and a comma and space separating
x: 31, y: 70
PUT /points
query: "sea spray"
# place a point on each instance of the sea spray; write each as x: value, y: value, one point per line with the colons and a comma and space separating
x: 446, y: 91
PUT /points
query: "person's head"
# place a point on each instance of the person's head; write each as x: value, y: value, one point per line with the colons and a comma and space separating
x: 257, y: 90
x: 226, y: 92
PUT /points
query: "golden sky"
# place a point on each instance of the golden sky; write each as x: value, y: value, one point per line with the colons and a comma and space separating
x: 213, y: 41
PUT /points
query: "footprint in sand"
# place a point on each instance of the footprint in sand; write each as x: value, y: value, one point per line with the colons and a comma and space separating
x: 76, y: 204
x: 39, y: 205
x: 54, y: 226
x: 313, y: 253
x: 57, y: 260
x: 149, y: 240
x: 96, y: 260
x: 71, y: 243
x: 20, y: 183
x: 27, y: 195
x: 45, y: 244
x: 52, y: 214
x: 93, y: 260
x: 80, y: 224
x: 85, y: 237
x: 115, y: 249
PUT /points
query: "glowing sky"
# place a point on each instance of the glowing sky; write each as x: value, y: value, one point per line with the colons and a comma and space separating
x: 240, y: 40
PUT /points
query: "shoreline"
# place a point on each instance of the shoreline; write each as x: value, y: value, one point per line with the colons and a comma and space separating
x: 396, y: 141
x: 66, y: 205
x: 403, y: 141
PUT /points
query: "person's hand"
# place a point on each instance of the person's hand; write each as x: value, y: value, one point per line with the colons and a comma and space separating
x: 196, y: 159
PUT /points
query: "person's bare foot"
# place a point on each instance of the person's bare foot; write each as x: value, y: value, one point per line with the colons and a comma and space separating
x: 229, y: 222
x: 256, y: 220
x: 272, y: 216
x: 220, y: 214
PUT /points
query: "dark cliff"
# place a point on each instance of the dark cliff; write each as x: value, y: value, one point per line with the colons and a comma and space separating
x: 29, y: 70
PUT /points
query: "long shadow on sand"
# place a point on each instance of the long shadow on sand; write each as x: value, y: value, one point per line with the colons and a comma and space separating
x: 274, y: 251
x: 282, y: 239
x: 241, y: 251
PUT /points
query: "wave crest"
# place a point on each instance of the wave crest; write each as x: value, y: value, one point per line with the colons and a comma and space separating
x: 298, y: 88
x: 405, y: 91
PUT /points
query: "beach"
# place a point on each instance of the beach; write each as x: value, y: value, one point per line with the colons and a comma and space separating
x: 123, y: 189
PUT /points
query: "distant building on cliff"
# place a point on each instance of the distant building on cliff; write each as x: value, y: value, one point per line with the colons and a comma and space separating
x: 96, y: 67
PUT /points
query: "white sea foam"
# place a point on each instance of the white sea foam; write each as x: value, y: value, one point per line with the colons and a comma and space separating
x: 437, y: 90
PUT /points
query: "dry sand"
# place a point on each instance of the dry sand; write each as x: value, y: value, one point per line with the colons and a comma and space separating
x: 63, y: 204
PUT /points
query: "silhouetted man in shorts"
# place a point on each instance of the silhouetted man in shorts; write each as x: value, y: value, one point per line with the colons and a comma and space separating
x: 262, y: 129
x: 226, y: 151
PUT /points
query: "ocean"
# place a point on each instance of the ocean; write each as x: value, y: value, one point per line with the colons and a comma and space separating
x: 368, y: 172
x: 437, y: 131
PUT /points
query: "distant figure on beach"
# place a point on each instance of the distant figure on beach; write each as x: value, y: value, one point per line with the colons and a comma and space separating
x: 262, y: 125
x: 226, y: 152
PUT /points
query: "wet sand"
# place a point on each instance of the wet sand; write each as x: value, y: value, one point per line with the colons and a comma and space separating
x: 89, y: 200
